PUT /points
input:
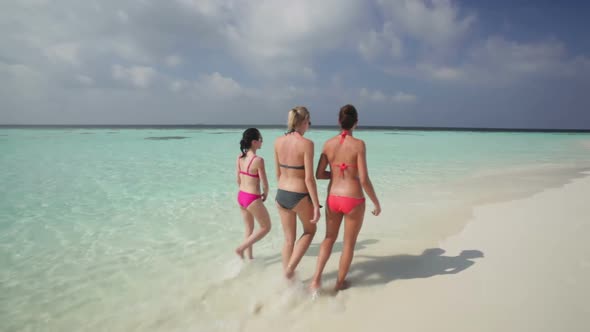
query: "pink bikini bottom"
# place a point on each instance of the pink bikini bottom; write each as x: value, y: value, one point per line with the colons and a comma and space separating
x: 245, y: 199
x: 343, y: 204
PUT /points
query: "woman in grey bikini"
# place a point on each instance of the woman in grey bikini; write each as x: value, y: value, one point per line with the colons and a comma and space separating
x: 297, y: 194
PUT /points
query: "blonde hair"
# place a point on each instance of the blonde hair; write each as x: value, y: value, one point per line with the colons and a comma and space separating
x: 297, y: 115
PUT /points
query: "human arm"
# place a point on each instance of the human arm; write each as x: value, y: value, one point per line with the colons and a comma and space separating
x: 263, y: 179
x: 321, y: 173
x: 310, y: 181
x: 277, y: 167
x: 238, y: 180
x: 365, y: 180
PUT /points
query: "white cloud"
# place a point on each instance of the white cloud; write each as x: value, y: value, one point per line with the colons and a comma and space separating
x: 126, y: 50
x: 207, y: 7
x: 138, y: 76
x: 66, y: 52
x: 276, y: 37
x: 498, y: 61
x: 385, y: 43
x: 122, y: 16
x: 34, y: 3
x: 501, y: 61
x: 336, y: 81
x: 20, y: 83
x: 438, y: 72
x: 377, y: 96
x: 518, y: 57
x: 402, y: 97
x: 173, y: 60
x: 86, y: 80
x: 309, y: 73
x: 273, y: 39
x: 263, y: 55
x: 217, y: 86
x: 446, y: 73
x: 437, y: 23
x: 374, y: 96
x: 177, y: 85
x: 371, y: 46
x: 417, y: 37
x: 17, y: 70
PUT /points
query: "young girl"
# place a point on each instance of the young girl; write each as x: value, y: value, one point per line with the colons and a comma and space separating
x: 250, y: 171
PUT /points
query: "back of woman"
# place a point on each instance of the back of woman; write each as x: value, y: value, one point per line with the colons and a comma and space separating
x: 342, y: 153
x: 349, y: 178
x: 297, y: 193
x: 248, y: 173
x: 291, y: 162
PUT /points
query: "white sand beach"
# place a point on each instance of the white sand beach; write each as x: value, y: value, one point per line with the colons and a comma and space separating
x: 519, y: 265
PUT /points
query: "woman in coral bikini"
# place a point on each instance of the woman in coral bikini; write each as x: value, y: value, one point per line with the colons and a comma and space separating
x: 250, y: 171
x: 297, y: 193
x: 348, y: 176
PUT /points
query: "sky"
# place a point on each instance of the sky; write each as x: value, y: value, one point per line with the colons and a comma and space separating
x: 427, y: 63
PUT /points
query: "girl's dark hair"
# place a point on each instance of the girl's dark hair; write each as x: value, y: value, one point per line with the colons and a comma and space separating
x: 348, y: 117
x: 249, y: 135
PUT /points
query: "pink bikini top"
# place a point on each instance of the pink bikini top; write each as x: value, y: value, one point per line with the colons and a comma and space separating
x: 247, y: 172
x: 343, y: 166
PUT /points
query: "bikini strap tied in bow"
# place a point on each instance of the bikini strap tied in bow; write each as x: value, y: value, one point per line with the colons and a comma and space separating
x: 343, y: 135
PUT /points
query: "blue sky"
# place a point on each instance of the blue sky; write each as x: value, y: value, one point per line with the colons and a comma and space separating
x: 506, y: 64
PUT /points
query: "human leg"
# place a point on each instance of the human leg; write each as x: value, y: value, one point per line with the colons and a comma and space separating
x: 333, y: 221
x: 249, y: 224
x: 304, y: 210
x: 258, y: 210
x: 352, y: 226
x: 288, y: 221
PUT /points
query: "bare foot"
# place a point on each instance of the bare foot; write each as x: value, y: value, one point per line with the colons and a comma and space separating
x: 240, y: 252
x: 314, y: 286
x: 342, y: 285
x: 314, y: 290
x: 289, y: 274
x: 315, y: 294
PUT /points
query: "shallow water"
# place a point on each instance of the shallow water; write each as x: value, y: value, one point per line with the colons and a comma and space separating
x: 134, y: 229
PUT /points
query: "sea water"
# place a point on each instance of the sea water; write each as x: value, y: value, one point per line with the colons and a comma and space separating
x: 134, y: 229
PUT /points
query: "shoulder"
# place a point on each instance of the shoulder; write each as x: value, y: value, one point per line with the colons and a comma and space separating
x: 278, y: 141
x: 307, y: 142
x: 359, y: 142
x: 331, y: 141
x: 360, y: 145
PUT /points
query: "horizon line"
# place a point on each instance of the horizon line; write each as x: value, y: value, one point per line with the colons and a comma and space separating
x: 278, y: 126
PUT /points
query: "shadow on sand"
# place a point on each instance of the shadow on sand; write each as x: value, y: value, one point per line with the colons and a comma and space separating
x: 377, y: 270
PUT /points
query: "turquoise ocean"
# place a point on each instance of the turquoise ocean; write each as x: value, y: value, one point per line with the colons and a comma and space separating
x: 126, y: 229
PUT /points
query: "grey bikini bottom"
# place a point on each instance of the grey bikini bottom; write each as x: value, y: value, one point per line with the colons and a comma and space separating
x: 289, y: 199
